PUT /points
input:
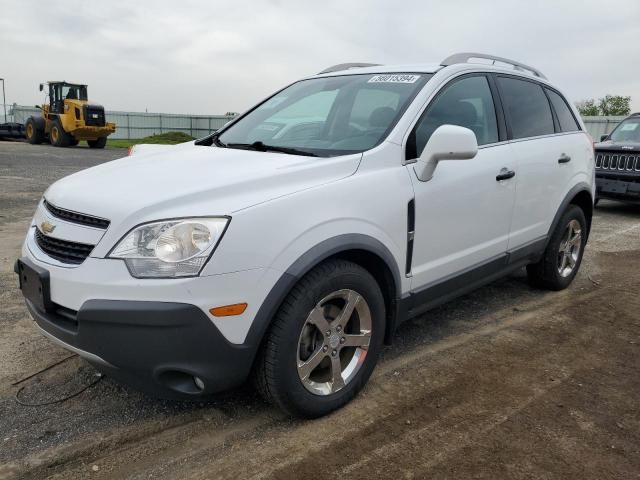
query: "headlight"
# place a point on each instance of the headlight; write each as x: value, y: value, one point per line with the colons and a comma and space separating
x: 171, y: 248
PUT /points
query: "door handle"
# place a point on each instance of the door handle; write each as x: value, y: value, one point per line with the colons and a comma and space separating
x: 564, y: 158
x: 505, y: 174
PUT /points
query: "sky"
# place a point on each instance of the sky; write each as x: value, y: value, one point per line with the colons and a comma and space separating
x: 211, y: 57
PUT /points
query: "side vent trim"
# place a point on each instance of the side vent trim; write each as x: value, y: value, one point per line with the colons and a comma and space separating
x: 411, y: 226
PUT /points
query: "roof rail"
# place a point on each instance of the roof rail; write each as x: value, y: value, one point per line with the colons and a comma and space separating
x: 347, y: 66
x: 466, y: 56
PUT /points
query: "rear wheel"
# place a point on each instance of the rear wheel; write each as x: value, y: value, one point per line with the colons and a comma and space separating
x: 34, y: 131
x: 99, y: 143
x: 563, y: 256
x: 324, y: 341
x: 57, y: 136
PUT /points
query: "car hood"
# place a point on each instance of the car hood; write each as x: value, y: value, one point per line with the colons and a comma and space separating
x: 618, y: 146
x: 146, y: 148
x: 194, y: 181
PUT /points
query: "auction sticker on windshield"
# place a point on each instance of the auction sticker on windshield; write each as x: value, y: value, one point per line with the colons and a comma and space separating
x: 630, y: 126
x: 394, y: 79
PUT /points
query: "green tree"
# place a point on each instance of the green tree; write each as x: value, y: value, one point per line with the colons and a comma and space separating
x: 588, y: 108
x: 615, y: 105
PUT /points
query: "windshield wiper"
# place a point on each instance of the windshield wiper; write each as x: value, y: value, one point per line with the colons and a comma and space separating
x: 261, y: 147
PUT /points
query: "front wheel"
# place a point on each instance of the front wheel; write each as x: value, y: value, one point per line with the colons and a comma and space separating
x: 57, y: 136
x: 563, y: 256
x: 99, y: 143
x: 324, y: 341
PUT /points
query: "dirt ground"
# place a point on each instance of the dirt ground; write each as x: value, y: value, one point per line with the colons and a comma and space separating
x: 507, y: 382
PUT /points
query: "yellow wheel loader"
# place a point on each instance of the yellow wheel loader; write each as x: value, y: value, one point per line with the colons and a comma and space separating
x: 69, y: 118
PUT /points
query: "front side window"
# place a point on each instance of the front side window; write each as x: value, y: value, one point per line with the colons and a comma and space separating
x: 527, y: 108
x: 327, y: 116
x: 627, y: 131
x: 565, y: 118
x: 467, y: 103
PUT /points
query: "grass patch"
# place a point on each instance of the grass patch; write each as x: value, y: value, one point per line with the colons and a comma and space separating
x: 168, y: 138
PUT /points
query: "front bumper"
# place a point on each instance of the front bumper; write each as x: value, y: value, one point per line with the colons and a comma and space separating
x: 617, y: 188
x: 158, y: 347
x: 154, y: 334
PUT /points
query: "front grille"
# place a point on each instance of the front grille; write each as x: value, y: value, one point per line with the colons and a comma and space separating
x: 94, y: 116
x: 619, y: 162
x: 74, y: 217
x: 63, y: 250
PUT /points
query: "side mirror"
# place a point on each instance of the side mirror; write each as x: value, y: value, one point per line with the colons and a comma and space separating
x: 41, y: 87
x: 604, y: 137
x: 448, y: 142
x: 38, y: 106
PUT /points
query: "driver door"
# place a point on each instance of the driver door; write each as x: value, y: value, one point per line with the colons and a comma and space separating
x: 463, y: 214
x: 55, y: 97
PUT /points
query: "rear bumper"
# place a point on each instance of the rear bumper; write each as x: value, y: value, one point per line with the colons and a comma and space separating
x: 157, y: 347
x: 617, y: 189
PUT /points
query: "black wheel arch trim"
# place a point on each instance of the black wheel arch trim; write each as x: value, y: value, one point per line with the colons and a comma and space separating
x: 580, y: 187
x: 313, y: 257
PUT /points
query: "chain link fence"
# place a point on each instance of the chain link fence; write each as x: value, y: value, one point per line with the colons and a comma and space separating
x: 133, y: 125
x: 598, y: 126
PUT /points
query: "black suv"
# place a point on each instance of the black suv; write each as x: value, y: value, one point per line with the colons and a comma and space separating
x: 618, y: 162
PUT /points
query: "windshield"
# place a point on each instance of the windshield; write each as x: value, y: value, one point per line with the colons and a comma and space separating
x: 327, y: 116
x: 627, y: 131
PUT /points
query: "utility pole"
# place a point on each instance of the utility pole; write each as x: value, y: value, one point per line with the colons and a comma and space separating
x: 4, y: 101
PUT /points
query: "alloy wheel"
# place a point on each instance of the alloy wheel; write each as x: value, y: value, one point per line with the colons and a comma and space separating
x: 334, y: 341
x: 570, y: 247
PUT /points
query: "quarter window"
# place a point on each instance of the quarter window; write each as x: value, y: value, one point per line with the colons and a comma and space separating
x: 565, y: 118
x: 527, y: 108
x: 467, y: 103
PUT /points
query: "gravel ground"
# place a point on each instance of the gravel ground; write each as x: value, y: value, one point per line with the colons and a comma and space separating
x: 507, y: 382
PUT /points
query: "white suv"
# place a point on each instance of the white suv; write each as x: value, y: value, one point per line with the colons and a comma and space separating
x: 291, y: 243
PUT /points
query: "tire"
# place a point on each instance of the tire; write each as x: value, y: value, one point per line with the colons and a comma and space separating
x: 561, y: 261
x: 57, y: 136
x: 294, y: 338
x: 34, y: 130
x: 99, y: 143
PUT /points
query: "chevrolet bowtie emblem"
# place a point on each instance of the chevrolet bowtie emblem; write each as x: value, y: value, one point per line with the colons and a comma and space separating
x: 47, y: 227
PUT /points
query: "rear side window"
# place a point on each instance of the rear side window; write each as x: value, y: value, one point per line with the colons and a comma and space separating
x: 467, y: 103
x: 527, y: 108
x: 565, y: 118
